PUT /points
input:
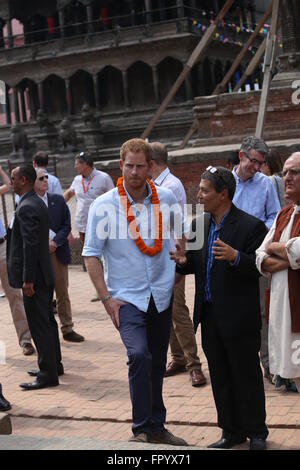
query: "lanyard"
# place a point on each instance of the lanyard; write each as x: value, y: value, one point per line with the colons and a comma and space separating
x: 85, y: 189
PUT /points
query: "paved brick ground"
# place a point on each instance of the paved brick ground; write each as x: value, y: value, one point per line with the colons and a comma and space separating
x: 91, y: 407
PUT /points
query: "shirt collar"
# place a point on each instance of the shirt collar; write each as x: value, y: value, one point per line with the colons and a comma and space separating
x: 131, y: 201
x: 160, y: 179
x: 22, y: 197
x: 92, y: 174
x: 239, y: 180
x: 44, y: 198
x: 222, y: 220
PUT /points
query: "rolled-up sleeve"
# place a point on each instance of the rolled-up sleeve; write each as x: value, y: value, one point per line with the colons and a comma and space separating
x: 261, y: 253
x: 293, y: 252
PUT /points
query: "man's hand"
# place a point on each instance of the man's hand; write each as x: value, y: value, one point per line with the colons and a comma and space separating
x: 71, y: 239
x: 222, y: 251
x: 112, y: 306
x: 277, y: 249
x: 28, y: 289
x: 179, y: 255
x: 52, y: 247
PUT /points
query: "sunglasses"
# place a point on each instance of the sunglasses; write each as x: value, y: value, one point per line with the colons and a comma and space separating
x: 213, y: 169
x: 82, y: 156
x: 42, y: 178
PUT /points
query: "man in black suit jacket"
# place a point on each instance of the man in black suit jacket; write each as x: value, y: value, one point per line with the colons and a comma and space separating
x: 227, y: 305
x: 60, y: 228
x: 29, y: 268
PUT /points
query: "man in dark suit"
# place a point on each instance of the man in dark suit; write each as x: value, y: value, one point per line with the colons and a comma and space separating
x: 60, y: 228
x: 227, y: 305
x: 29, y: 268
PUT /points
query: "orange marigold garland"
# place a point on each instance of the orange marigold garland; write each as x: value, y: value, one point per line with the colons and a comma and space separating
x: 146, y: 250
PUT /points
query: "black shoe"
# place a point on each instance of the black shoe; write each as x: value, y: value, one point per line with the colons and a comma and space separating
x: 35, y: 373
x: 227, y: 442
x: 257, y: 443
x: 73, y: 337
x: 4, y: 404
x: 37, y: 384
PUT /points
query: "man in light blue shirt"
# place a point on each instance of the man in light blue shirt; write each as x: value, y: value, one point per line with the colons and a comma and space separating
x: 256, y: 195
x: 137, y: 285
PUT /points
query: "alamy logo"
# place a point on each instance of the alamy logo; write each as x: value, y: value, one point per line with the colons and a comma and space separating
x: 2, y: 353
x: 296, y: 353
x: 296, y: 94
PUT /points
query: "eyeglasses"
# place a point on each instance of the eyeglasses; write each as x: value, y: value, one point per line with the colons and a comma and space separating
x: 291, y: 171
x: 213, y: 169
x: 42, y: 178
x: 254, y: 161
x: 81, y: 156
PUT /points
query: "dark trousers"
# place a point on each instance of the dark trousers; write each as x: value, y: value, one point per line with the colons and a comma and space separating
x: 146, y: 338
x: 44, y: 331
x: 236, y: 379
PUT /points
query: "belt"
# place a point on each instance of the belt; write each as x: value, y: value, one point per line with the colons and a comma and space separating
x: 2, y: 240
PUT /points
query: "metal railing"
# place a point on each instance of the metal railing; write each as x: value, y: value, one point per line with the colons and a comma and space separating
x: 102, y: 25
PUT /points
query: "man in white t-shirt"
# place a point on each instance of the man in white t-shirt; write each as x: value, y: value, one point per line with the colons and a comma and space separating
x: 87, y: 186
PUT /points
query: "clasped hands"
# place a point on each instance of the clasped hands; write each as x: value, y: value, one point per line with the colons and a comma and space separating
x: 220, y: 250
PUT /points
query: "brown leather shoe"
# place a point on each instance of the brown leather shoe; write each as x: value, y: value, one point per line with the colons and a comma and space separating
x: 197, y: 378
x: 174, y: 368
x: 28, y: 349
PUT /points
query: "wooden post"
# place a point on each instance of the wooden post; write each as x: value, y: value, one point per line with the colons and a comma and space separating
x: 222, y: 85
x: 268, y: 68
x: 16, y: 104
x: 197, y: 52
x: 7, y: 108
x: 41, y: 94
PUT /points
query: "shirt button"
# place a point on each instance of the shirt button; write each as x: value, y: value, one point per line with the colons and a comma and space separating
x: 137, y: 214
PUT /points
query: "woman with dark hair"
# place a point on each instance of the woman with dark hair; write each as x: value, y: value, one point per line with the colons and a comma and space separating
x: 273, y: 169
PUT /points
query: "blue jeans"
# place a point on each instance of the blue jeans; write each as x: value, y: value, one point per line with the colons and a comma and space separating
x: 146, y: 338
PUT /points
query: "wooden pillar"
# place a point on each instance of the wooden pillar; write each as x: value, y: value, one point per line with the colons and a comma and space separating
x: 96, y: 91
x: 89, y: 12
x: 200, y: 79
x: 162, y: 13
x: 61, y: 18
x: 216, y: 6
x: 125, y: 88
x: 188, y: 87
x: 68, y: 95
x: 148, y: 8
x: 9, y: 33
x: 180, y: 8
x: 16, y: 104
x: 23, y: 106
x: 41, y: 95
x: 155, y: 83
x: 8, y: 115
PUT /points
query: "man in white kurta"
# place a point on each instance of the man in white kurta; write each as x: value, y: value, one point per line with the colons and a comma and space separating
x: 275, y: 259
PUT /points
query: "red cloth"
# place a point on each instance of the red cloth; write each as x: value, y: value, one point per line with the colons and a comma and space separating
x: 104, y: 15
x: 51, y: 24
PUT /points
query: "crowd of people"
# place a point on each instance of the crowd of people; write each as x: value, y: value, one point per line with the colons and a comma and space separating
x: 137, y: 248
